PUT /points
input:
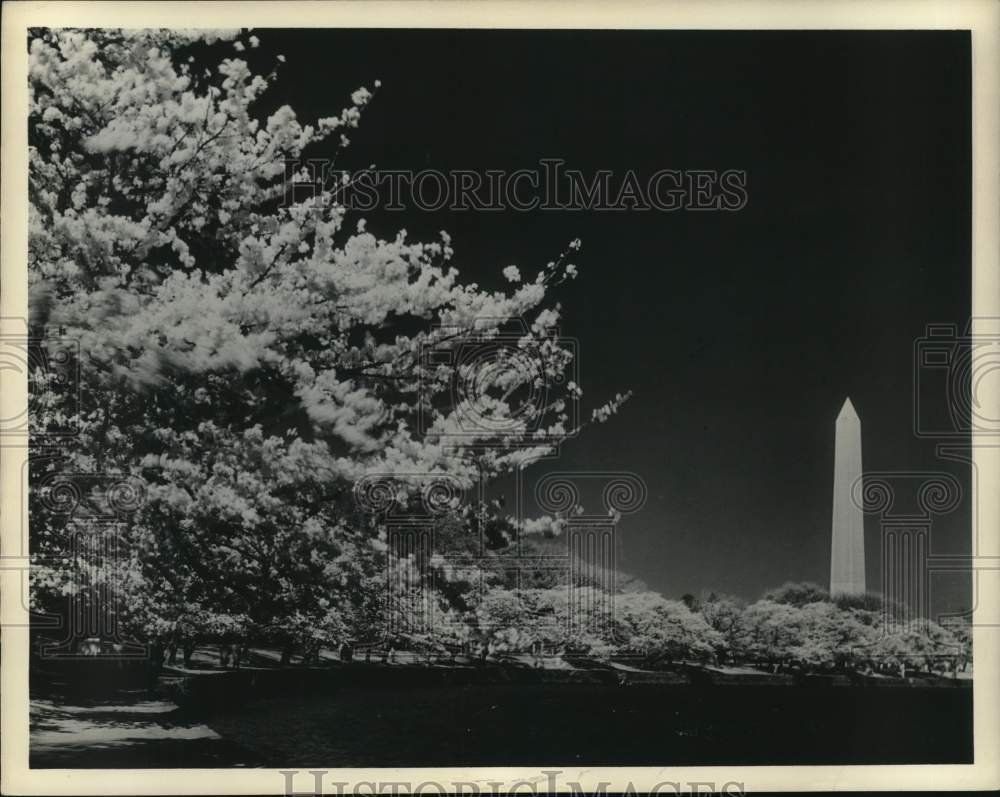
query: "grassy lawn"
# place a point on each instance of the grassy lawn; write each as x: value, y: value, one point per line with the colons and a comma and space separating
x: 638, y: 725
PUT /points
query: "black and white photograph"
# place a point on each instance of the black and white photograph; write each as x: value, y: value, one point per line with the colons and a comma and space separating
x: 482, y: 396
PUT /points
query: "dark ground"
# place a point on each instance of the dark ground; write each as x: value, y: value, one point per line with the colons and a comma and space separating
x: 526, y: 724
x: 599, y: 725
x: 125, y: 730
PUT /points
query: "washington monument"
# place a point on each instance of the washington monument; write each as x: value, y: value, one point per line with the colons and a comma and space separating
x: 847, y: 559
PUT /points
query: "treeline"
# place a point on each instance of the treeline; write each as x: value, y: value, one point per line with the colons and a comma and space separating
x: 797, y: 627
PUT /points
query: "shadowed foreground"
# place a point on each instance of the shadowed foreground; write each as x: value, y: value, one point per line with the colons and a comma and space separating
x: 526, y: 724
x: 126, y: 730
x: 639, y: 725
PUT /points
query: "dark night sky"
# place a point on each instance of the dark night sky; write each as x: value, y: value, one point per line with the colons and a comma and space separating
x: 740, y: 333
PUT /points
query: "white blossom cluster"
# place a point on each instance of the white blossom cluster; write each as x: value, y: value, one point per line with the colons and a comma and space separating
x: 251, y: 360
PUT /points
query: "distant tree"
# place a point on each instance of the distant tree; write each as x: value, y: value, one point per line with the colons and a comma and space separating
x: 649, y: 625
x: 499, y: 624
x: 722, y: 613
x: 949, y: 650
x: 434, y: 629
x: 558, y: 626
x: 768, y: 633
x: 960, y: 628
x: 797, y: 593
x: 798, y: 626
x: 904, y: 651
x: 866, y: 601
x: 917, y: 646
x: 830, y: 637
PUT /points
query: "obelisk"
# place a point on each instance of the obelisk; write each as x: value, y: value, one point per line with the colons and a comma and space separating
x: 847, y: 559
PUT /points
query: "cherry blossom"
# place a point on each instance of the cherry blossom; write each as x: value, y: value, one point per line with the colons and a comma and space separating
x: 249, y: 359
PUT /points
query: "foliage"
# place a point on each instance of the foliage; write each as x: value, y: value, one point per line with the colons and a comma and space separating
x: 960, y: 628
x: 923, y: 646
x: 767, y: 632
x: 723, y: 613
x: 868, y: 601
x: 246, y: 358
x: 797, y: 593
x: 247, y: 361
x: 649, y: 625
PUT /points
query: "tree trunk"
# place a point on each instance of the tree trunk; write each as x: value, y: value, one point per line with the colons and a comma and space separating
x: 286, y: 653
x: 154, y: 666
x: 156, y: 656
